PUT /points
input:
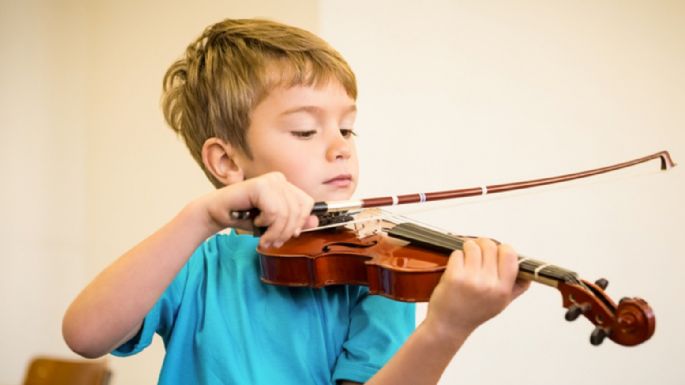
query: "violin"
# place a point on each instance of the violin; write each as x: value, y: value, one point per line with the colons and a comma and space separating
x: 404, y: 261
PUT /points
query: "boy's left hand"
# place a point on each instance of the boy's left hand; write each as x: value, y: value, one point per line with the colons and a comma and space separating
x: 479, y: 282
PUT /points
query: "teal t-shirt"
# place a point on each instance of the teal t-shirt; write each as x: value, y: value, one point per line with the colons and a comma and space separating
x: 221, y: 325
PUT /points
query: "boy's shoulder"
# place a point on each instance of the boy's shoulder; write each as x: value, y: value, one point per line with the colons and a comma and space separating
x: 224, y: 253
x: 226, y: 244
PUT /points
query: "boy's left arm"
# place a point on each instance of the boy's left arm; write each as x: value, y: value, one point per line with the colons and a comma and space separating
x: 421, y: 360
x: 477, y: 284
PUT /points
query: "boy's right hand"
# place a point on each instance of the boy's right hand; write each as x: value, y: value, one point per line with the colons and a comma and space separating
x: 284, y: 209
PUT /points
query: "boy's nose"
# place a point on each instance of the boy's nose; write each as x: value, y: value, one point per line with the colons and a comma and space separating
x: 338, y: 148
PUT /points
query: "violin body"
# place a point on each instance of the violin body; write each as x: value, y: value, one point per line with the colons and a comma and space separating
x: 389, y: 267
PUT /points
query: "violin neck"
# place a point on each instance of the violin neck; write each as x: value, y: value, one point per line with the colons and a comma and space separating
x: 532, y: 269
x: 544, y: 273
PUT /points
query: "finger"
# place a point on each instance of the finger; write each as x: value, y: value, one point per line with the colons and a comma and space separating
x: 455, y: 264
x: 273, y: 218
x: 306, y: 203
x: 311, y: 222
x: 473, y: 258
x: 293, y: 214
x: 290, y: 209
x: 508, y: 264
x: 520, y: 287
x: 489, y: 254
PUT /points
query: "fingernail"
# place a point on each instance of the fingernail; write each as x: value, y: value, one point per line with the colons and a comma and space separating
x: 297, y: 232
x: 278, y: 244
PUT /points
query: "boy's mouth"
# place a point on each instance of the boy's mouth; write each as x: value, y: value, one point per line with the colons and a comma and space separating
x: 342, y: 180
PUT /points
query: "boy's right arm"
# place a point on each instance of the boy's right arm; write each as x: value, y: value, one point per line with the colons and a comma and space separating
x: 110, y: 310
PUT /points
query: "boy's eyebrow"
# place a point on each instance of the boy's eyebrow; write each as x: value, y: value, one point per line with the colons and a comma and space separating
x: 315, y: 110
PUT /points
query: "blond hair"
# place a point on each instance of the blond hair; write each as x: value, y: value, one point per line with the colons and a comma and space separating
x: 231, y: 67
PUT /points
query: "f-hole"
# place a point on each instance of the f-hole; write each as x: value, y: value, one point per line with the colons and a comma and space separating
x: 327, y: 247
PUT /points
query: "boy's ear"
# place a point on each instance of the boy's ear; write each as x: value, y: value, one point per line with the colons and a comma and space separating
x: 219, y: 158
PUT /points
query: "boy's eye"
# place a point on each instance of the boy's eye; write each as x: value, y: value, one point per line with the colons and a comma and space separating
x: 303, y: 134
x: 347, y: 132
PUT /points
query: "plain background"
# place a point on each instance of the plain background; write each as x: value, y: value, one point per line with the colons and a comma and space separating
x: 452, y: 94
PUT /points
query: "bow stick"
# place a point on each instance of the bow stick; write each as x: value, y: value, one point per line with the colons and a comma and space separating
x: 321, y: 208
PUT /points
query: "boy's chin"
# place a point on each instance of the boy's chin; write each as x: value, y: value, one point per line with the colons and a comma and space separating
x: 330, y: 196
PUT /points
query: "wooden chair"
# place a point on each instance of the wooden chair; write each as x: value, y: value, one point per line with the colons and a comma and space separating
x: 58, y: 371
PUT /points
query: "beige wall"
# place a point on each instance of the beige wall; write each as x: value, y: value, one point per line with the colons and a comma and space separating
x: 43, y: 95
x: 453, y: 94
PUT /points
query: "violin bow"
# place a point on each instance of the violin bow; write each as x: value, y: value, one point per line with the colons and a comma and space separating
x: 322, y: 208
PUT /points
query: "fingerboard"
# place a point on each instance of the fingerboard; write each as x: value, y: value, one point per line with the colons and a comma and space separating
x: 538, y: 271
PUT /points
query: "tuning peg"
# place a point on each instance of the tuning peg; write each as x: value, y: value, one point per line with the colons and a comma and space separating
x: 602, y: 282
x: 576, y: 310
x: 598, y: 335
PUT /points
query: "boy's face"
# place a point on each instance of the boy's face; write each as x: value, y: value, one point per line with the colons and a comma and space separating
x: 307, y: 134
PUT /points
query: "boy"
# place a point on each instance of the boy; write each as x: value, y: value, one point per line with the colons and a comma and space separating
x: 268, y: 111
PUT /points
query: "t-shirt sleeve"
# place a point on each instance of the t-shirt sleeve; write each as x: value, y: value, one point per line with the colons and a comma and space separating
x: 160, y: 319
x: 378, y: 327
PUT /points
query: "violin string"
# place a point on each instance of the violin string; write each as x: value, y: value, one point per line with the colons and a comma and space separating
x: 426, y: 237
